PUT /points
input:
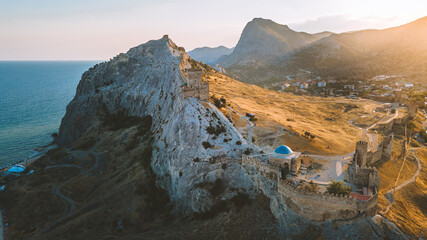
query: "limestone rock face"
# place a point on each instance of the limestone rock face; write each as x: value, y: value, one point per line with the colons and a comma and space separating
x: 147, y: 80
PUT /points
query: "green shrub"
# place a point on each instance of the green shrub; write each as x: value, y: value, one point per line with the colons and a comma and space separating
x: 338, y: 188
x: 224, y: 166
x: 253, y: 119
x: 215, y: 130
x: 218, y: 102
x: 206, y: 145
x: 238, y: 142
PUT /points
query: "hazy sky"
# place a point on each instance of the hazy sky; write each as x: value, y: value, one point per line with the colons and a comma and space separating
x: 100, y: 29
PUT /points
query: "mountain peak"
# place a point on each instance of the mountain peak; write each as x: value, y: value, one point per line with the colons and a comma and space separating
x: 263, y: 39
x: 267, y: 22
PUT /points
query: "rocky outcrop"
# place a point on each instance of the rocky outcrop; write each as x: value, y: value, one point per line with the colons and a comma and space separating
x: 148, y: 80
x: 197, y: 168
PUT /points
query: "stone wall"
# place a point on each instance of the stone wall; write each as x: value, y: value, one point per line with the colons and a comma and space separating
x: 314, y: 206
x: 361, y: 153
x: 293, y: 164
x: 195, y: 87
x: 364, y: 176
x: 387, y: 147
x: 280, y: 162
x: 269, y: 171
x: 324, y: 207
x: 373, y: 157
x: 364, y: 157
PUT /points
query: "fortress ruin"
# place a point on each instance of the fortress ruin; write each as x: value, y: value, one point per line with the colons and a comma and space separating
x: 195, y: 86
x: 315, y: 206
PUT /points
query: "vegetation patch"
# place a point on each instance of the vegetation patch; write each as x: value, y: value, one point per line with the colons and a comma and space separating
x: 338, y: 188
x: 206, y: 145
x: 219, y: 102
x: 217, y: 130
x: 349, y: 107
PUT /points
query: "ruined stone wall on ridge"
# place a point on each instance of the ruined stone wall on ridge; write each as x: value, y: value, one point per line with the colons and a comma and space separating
x: 373, y: 157
x: 195, y: 86
x: 269, y: 171
x: 387, y: 147
x: 364, y: 176
x: 312, y: 205
x: 317, y: 206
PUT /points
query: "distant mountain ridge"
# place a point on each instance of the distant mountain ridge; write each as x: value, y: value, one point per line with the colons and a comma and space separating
x: 267, y: 51
x: 263, y: 39
x: 399, y: 50
x: 209, y: 55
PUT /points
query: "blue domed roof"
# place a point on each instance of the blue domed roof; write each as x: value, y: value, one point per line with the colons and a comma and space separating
x: 283, y: 150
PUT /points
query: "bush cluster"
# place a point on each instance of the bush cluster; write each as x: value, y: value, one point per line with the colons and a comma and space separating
x: 219, y: 102
x: 338, y: 188
x: 216, y: 130
x: 206, y: 145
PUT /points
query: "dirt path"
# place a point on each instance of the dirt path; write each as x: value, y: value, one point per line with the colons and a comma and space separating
x: 389, y: 194
x: 333, y: 170
x: 57, y: 189
x: 249, y: 124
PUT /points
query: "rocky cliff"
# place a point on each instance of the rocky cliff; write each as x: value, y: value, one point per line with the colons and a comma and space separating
x: 148, y: 80
x: 199, y: 177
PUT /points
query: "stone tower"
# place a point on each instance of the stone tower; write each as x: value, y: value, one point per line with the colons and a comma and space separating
x: 413, y: 110
x: 387, y: 146
x: 195, y: 87
x: 361, y: 153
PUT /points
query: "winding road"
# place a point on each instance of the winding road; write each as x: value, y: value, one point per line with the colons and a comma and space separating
x: 57, y: 189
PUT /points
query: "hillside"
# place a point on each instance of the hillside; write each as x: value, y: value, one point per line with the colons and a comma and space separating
x: 263, y: 39
x: 209, y: 55
x: 140, y: 158
x: 360, y: 55
x: 283, y: 118
x: 398, y: 50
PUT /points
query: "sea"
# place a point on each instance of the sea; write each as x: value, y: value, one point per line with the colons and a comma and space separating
x: 33, y: 99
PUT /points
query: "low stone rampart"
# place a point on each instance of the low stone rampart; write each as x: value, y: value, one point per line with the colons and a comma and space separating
x: 364, y: 176
x: 269, y: 171
x: 323, y: 206
x: 312, y: 205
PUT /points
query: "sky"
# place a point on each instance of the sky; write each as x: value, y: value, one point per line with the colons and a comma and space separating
x: 101, y: 29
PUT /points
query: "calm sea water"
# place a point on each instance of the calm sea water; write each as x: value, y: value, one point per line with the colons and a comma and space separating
x: 33, y: 98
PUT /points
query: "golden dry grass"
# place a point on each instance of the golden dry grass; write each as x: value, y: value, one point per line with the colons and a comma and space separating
x: 409, y: 210
x: 325, y: 118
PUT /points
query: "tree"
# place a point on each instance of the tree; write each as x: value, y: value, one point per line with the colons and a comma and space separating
x: 338, y: 188
x: 313, y: 186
